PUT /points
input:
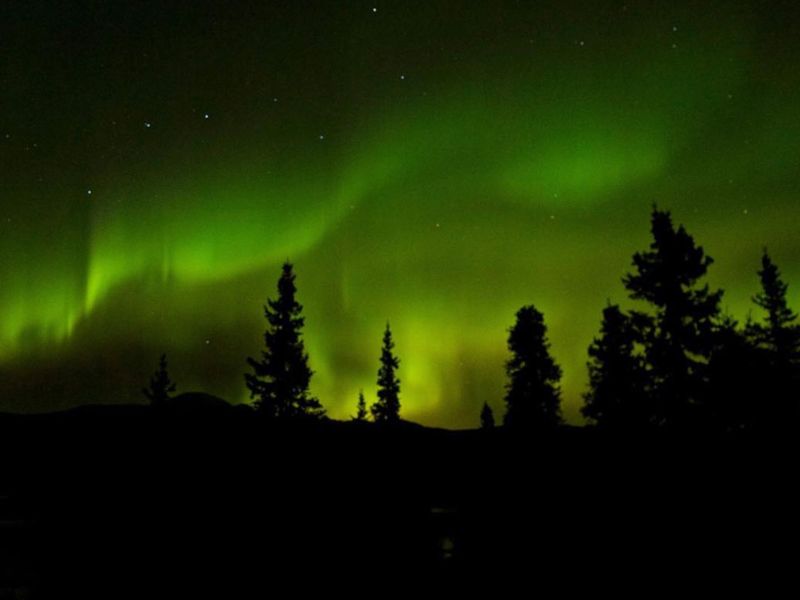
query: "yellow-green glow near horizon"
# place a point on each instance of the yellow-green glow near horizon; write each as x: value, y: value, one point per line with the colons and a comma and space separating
x: 434, y: 172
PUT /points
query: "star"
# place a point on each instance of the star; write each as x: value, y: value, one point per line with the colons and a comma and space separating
x: 89, y: 192
x: 205, y: 116
x: 374, y: 9
x: 402, y: 76
x: 147, y: 124
x: 322, y: 137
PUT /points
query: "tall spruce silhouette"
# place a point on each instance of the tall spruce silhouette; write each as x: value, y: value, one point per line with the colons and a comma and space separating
x: 487, y: 417
x: 532, y: 392
x: 387, y: 408
x: 779, y: 336
x: 617, y: 396
x: 280, y: 380
x: 680, y: 331
x: 161, y: 386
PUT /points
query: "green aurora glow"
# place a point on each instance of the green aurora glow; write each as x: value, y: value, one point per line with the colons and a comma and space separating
x: 435, y: 165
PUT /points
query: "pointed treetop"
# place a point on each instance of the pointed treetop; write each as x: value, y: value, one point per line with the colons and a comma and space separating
x: 617, y: 384
x: 532, y: 392
x: 161, y: 386
x: 387, y: 407
x: 772, y: 297
x: 361, y: 410
x: 280, y: 380
x: 674, y: 261
x: 679, y: 325
x: 780, y: 333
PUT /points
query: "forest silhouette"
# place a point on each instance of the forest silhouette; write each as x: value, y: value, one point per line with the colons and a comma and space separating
x: 677, y: 362
x: 682, y: 473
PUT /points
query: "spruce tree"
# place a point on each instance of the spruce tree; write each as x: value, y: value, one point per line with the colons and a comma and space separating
x: 779, y: 337
x: 617, y: 396
x: 161, y: 386
x: 387, y: 407
x: 280, y: 380
x: 361, y: 413
x: 736, y: 391
x: 780, y: 333
x: 680, y: 330
x: 532, y: 392
x: 487, y: 417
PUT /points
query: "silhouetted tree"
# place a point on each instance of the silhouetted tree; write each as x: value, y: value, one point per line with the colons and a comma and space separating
x: 679, y: 337
x: 487, y: 417
x: 617, y: 396
x: 780, y: 333
x: 735, y: 376
x: 361, y: 414
x: 387, y: 407
x: 161, y: 386
x: 280, y: 380
x: 532, y: 393
x: 779, y: 336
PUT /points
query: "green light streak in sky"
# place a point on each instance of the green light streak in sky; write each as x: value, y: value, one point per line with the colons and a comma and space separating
x: 508, y: 173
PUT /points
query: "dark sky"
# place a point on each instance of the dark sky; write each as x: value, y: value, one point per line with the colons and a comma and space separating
x: 433, y: 164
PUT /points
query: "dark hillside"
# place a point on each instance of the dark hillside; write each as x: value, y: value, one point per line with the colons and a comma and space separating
x: 128, y: 499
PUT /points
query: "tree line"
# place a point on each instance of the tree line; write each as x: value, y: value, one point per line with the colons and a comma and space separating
x: 683, y: 363
x: 280, y: 378
x: 678, y: 362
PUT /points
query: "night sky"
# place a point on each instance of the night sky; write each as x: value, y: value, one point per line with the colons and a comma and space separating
x: 433, y: 164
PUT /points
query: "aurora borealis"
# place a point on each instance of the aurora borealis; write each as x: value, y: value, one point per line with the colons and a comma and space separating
x: 434, y: 164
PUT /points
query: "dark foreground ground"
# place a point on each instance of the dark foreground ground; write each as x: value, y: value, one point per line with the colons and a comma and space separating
x: 119, y: 502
